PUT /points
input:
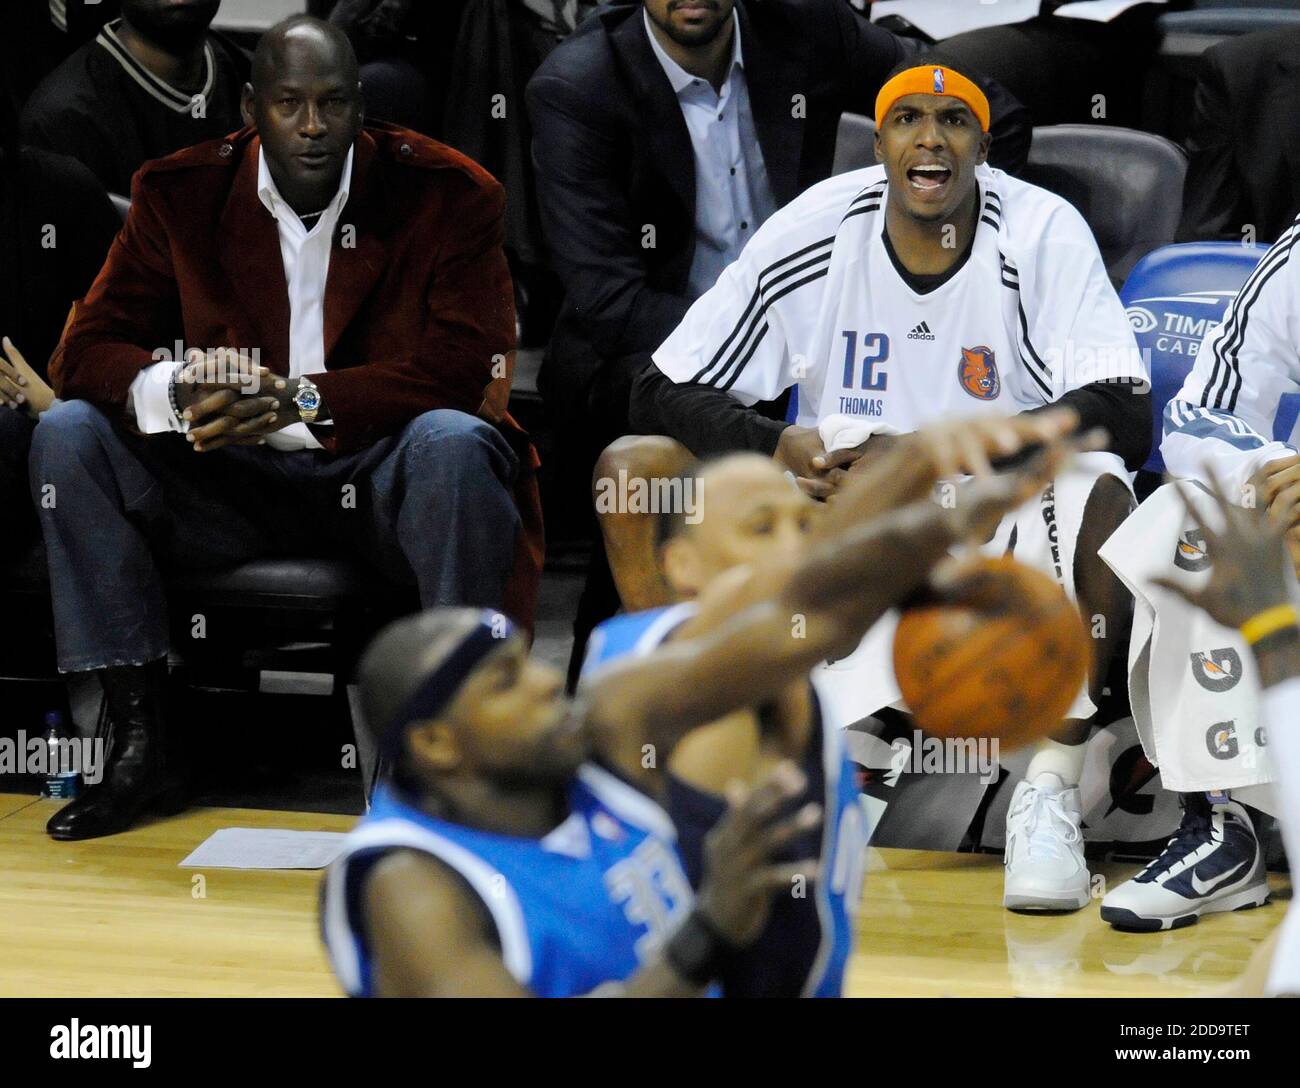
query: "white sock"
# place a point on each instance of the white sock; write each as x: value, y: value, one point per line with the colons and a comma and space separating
x: 1063, y: 760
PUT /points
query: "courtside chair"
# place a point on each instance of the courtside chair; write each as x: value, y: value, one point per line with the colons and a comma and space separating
x: 1172, y: 297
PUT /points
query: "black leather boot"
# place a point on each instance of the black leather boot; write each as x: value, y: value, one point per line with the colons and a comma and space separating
x: 135, y: 779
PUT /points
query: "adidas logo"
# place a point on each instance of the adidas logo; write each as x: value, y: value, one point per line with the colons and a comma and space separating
x: 921, y: 332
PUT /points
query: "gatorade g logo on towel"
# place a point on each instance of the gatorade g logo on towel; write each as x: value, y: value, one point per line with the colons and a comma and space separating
x: 1217, y: 670
x: 938, y: 81
x: 1221, y: 740
x: 1191, y: 553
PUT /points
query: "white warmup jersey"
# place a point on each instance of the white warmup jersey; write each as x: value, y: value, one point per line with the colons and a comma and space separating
x: 1196, y: 696
x: 815, y: 300
x: 1238, y: 408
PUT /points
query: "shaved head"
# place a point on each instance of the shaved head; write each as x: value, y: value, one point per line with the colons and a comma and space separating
x: 304, y: 99
x: 325, y: 42
x: 750, y: 514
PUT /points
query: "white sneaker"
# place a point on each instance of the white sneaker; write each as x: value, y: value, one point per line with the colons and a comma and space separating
x: 1045, y: 869
x: 1213, y: 863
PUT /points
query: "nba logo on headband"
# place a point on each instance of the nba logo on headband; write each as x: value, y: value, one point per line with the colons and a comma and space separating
x: 938, y: 81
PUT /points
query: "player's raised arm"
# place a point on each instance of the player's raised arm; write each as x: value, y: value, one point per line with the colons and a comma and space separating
x: 753, y: 638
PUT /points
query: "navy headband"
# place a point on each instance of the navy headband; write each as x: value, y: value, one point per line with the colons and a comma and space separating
x: 440, y: 686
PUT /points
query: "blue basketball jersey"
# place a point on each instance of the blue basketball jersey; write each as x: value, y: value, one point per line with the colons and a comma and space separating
x: 806, y: 944
x: 586, y: 904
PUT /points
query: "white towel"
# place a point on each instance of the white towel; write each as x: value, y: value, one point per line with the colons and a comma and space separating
x: 1192, y: 682
x: 842, y: 432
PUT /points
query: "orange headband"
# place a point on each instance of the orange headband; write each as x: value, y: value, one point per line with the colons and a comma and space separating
x: 932, y: 79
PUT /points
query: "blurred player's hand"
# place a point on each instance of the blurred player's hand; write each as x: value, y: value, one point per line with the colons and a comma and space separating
x: 982, y: 503
x: 1247, y: 574
x: 740, y: 878
x: 960, y: 447
x: 970, y: 446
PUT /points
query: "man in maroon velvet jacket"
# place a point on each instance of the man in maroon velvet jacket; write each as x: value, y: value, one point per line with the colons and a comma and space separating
x: 300, y: 343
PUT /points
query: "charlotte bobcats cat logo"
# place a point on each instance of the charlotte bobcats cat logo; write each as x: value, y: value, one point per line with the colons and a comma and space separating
x: 1191, y: 553
x: 978, y: 373
x: 1217, y: 670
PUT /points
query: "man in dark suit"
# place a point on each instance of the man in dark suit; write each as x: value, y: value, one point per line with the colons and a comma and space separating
x: 665, y: 132
x: 1245, y: 140
x: 617, y: 167
x: 364, y: 267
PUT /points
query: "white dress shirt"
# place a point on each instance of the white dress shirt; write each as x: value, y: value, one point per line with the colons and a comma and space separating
x: 732, y: 193
x: 306, y: 257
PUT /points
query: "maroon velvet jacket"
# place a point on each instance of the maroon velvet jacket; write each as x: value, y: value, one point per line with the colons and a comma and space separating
x: 419, y: 310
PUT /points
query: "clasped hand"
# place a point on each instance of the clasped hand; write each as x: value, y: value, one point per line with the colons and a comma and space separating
x: 228, y: 400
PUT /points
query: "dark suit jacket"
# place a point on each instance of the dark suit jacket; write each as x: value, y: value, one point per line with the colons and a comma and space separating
x: 418, y: 310
x: 1245, y: 139
x: 613, y: 155
x: 46, y: 197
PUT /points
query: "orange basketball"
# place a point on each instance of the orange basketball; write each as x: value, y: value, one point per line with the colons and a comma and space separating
x: 1009, y: 670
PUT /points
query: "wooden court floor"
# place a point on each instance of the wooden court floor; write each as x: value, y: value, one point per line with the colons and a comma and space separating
x: 117, y: 916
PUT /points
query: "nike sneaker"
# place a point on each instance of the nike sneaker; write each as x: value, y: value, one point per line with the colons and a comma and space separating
x: 1045, y: 869
x: 1213, y: 863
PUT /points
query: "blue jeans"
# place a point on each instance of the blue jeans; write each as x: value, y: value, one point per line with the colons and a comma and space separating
x: 432, y: 505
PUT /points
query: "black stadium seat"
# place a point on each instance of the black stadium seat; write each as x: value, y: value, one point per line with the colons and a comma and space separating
x: 1209, y: 21
x: 1127, y: 184
x: 855, y: 143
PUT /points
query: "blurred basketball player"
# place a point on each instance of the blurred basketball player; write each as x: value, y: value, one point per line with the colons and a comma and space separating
x: 752, y: 526
x: 499, y: 858
x: 927, y: 287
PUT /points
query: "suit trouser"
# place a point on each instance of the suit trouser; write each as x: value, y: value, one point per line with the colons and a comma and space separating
x: 15, y: 497
x: 118, y: 511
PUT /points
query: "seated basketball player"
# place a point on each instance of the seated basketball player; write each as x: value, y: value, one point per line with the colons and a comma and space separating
x: 1234, y: 416
x: 746, y: 526
x: 927, y: 287
x: 499, y: 859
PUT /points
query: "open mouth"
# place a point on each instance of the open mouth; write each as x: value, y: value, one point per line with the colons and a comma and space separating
x: 929, y: 177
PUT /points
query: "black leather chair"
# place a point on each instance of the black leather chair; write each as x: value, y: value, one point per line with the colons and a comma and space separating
x: 855, y: 143
x: 1127, y: 184
x: 1190, y: 32
x: 264, y: 623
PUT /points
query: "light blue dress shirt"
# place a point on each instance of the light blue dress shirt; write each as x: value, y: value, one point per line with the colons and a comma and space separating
x: 732, y: 194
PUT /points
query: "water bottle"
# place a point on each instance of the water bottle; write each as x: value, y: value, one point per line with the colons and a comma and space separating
x: 61, y: 780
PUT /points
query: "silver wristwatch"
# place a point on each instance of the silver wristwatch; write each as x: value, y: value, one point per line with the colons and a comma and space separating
x: 307, y: 399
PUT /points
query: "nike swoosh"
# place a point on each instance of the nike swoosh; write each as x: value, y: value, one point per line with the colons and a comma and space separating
x: 1205, y: 887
